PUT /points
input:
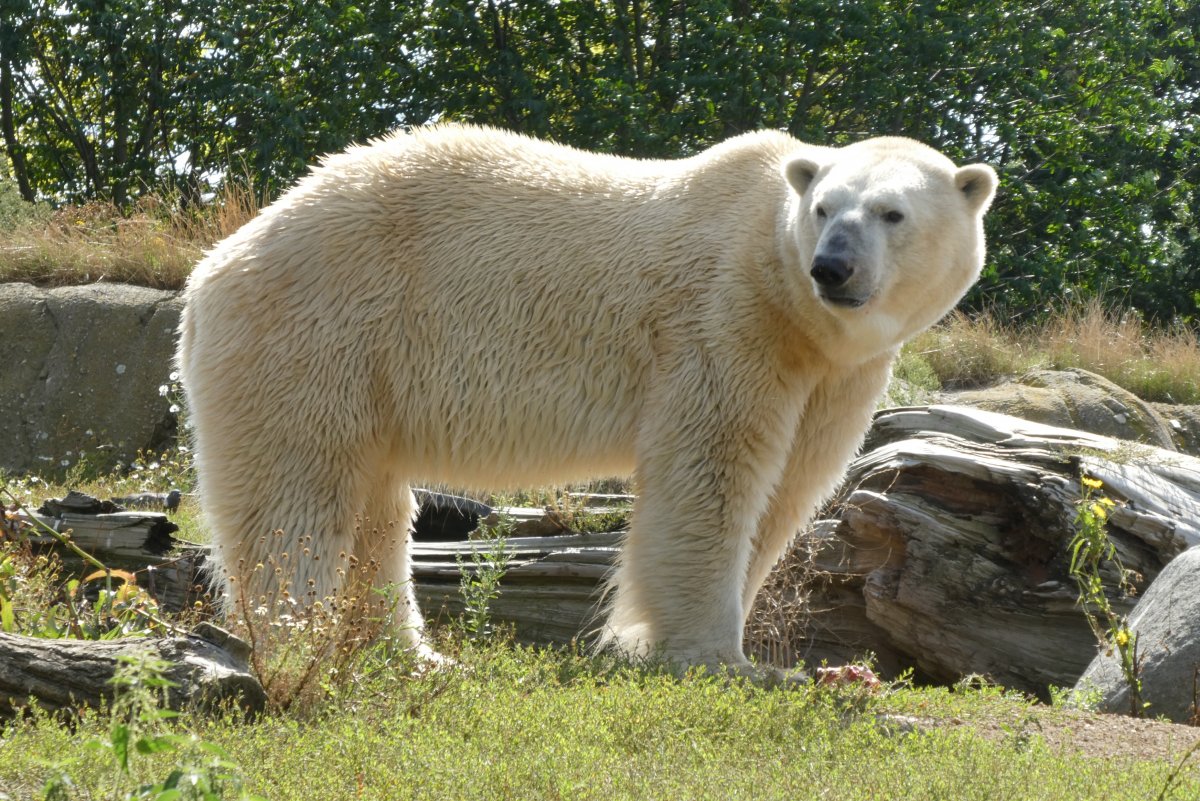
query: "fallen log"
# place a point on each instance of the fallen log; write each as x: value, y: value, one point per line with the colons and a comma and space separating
x: 551, y: 589
x: 948, y: 550
x: 208, y: 668
x: 141, y: 543
x: 947, y: 553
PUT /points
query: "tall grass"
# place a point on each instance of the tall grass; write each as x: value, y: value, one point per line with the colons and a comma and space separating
x: 155, y: 243
x: 1156, y: 364
x: 965, y: 352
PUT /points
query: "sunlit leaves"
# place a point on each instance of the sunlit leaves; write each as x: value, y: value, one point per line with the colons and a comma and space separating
x: 1088, y: 108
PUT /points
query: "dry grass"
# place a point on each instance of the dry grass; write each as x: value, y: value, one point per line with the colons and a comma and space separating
x: 1155, y: 364
x: 965, y: 351
x: 154, y: 244
x: 777, y: 632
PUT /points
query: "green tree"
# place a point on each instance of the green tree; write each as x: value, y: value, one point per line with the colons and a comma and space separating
x: 109, y: 98
x: 93, y: 91
x: 1088, y: 108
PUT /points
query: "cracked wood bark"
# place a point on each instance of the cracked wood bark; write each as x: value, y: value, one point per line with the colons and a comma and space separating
x: 551, y: 592
x: 208, y: 666
x: 948, y: 550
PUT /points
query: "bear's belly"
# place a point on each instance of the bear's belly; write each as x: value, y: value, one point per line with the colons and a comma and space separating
x: 519, y: 431
x: 511, y: 457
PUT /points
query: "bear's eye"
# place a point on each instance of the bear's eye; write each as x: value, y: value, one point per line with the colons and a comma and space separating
x: 821, y: 212
x: 893, y: 216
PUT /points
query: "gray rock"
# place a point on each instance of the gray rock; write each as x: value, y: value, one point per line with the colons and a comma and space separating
x: 1167, y: 624
x: 1184, y: 422
x: 80, y: 369
x: 1074, y: 399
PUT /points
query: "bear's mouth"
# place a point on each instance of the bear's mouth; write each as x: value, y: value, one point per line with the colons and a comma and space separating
x: 844, y: 301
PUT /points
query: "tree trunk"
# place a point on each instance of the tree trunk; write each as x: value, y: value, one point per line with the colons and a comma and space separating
x: 16, y: 151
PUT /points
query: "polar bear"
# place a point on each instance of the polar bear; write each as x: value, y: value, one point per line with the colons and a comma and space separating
x: 477, y: 308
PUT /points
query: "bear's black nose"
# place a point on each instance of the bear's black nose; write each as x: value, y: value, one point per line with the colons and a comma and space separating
x: 831, y: 271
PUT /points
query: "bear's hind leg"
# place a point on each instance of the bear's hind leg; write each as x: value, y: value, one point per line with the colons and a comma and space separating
x: 282, y: 546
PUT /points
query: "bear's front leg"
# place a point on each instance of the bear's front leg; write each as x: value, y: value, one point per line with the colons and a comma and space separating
x: 710, y: 451
x: 836, y: 417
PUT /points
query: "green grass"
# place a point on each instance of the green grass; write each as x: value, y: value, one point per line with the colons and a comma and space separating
x: 509, y: 722
x: 514, y: 723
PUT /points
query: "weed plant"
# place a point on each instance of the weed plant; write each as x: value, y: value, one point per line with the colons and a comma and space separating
x: 479, y: 581
x: 36, y: 600
x: 138, y: 726
x: 303, y: 645
x: 1090, y: 549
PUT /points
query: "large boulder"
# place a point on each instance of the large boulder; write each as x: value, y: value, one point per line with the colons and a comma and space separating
x: 81, y: 371
x: 1167, y: 624
x: 1078, y: 400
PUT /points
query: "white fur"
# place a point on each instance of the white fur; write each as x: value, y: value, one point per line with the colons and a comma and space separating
x: 469, y: 306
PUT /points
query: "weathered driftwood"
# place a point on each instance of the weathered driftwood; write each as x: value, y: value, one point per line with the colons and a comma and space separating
x: 949, y: 551
x: 208, y: 667
x: 550, y: 593
x: 142, y: 543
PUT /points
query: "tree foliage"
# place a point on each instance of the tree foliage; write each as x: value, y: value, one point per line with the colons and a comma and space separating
x: 1088, y: 108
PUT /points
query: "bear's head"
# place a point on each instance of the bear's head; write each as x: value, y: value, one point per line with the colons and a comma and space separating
x: 889, y: 233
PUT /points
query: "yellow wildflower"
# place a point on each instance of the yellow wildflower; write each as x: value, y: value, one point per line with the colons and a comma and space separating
x: 1092, y: 483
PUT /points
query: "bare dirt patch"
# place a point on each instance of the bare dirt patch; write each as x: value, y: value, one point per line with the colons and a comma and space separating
x: 1099, y: 736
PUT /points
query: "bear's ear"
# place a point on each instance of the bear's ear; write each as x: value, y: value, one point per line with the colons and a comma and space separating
x: 800, y: 173
x: 977, y: 182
